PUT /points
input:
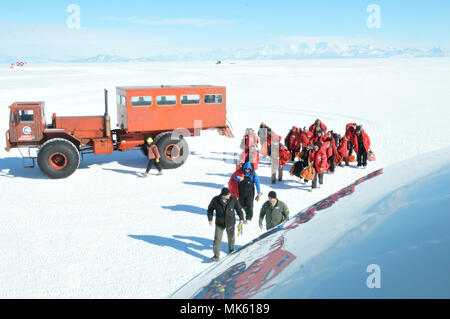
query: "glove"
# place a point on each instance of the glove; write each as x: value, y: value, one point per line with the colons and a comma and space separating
x: 258, y: 196
x: 157, y: 160
x: 260, y: 224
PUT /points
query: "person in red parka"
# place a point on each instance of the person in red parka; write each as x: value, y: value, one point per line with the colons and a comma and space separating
x: 318, y: 138
x: 331, y: 150
x: 279, y: 157
x: 303, y: 138
x: 251, y: 156
x: 291, y: 141
x: 343, y: 150
x: 361, y: 142
x: 317, y: 127
x: 349, y: 134
x: 249, y: 139
x: 318, y: 158
x: 233, y: 183
x: 272, y: 142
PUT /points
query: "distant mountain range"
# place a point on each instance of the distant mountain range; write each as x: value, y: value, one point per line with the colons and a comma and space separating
x: 293, y: 50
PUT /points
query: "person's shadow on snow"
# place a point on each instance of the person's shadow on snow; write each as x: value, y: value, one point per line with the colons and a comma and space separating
x: 187, y: 244
x: 187, y: 208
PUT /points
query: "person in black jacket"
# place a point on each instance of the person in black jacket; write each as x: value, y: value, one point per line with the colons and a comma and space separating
x: 225, y: 205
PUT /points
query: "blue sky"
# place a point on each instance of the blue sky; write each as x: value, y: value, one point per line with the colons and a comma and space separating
x: 139, y: 28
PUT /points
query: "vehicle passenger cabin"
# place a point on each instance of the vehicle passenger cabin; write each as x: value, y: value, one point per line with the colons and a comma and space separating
x: 163, y: 108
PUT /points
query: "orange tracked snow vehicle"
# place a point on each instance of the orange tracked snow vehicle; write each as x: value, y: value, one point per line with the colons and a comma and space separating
x: 165, y: 113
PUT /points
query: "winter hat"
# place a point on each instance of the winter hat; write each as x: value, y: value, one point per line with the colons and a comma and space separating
x: 272, y: 194
x: 225, y: 191
x: 150, y: 140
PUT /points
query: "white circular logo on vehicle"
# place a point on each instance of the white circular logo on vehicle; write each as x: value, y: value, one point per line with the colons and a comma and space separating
x: 26, y: 130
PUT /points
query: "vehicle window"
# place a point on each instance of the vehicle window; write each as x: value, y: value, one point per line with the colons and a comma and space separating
x: 26, y: 116
x: 166, y: 100
x: 118, y: 98
x: 213, y: 98
x: 190, y: 99
x: 13, y: 118
x: 141, y: 101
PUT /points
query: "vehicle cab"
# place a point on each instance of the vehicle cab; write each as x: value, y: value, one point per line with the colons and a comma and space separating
x: 26, y: 124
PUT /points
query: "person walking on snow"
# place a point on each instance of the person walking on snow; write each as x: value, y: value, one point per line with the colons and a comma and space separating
x: 251, y: 156
x: 361, y: 143
x: 225, y: 205
x: 280, y: 156
x: 249, y: 139
x: 153, y: 157
x: 263, y: 132
x: 274, y: 210
x: 244, y: 181
x: 292, y: 142
x: 331, y: 150
x: 318, y: 158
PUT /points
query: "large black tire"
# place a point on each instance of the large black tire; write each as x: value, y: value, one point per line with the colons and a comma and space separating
x: 58, y: 158
x: 174, y: 151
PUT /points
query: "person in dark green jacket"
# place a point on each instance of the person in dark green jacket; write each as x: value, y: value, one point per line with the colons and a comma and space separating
x: 274, y: 210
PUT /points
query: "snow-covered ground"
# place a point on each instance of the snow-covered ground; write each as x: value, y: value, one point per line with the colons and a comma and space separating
x: 104, y: 232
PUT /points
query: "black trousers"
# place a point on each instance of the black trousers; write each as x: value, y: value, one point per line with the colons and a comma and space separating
x: 362, y: 158
x: 314, y: 182
x: 247, y: 204
x: 218, y: 234
x: 331, y: 160
x: 150, y: 164
x: 292, y: 151
x: 345, y: 159
x: 350, y: 148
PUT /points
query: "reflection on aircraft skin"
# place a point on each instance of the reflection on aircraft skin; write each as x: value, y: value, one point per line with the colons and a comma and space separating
x: 241, y: 282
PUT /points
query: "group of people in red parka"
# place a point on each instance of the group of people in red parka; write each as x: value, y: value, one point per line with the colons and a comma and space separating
x: 323, y: 149
x: 315, y: 147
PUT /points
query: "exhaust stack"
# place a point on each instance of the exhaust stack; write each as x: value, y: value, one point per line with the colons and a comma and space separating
x: 107, y: 118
